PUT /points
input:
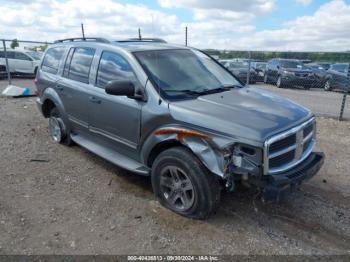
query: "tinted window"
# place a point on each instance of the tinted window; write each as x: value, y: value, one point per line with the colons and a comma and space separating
x: 80, y: 65
x: 67, y: 64
x: 52, y: 59
x: 113, y: 67
x: 10, y: 54
x: 21, y: 56
x: 291, y: 64
x: 343, y: 68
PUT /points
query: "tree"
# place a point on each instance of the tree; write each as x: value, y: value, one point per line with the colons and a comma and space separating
x: 14, y: 44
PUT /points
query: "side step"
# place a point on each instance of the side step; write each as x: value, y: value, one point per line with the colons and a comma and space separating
x: 111, y: 155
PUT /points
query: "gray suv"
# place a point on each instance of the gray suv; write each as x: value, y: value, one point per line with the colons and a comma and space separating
x: 175, y: 114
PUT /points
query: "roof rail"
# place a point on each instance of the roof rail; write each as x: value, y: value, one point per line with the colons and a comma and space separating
x: 154, y: 40
x: 96, y: 39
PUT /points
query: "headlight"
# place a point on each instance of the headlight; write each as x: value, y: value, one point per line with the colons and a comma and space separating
x: 288, y: 72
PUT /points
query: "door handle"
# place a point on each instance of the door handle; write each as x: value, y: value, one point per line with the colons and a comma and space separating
x: 94, y: 100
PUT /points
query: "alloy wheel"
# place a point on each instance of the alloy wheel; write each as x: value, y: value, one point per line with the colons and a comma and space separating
x: 176, y: 188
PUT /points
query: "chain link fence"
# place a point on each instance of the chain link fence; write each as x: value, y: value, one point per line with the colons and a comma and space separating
x: 317, y: 80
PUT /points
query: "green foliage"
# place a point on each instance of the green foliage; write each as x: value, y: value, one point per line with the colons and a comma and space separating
x: 265, y: 56
x: 14, y: 44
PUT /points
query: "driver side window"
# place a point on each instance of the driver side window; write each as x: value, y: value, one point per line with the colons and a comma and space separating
x: 113, y: 67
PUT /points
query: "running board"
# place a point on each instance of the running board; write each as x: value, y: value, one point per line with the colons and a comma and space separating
x: 111, y: 155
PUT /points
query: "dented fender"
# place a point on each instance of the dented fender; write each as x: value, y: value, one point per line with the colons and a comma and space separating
x: 202, y: 145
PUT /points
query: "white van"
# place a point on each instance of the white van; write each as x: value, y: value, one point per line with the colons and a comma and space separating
x: 21, y: 61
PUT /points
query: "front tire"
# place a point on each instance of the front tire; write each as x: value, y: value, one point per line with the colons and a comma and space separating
x: 327, y: 85
x: 182, y: 184
x: 279, y: 82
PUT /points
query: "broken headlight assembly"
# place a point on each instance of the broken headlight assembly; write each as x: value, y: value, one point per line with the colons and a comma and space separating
x: 242, y: 159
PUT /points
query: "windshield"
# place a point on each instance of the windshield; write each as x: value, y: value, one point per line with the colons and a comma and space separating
x: 291, y: 64
x: 260, y: 65
x: 35, y: 55
x: 182, y: 73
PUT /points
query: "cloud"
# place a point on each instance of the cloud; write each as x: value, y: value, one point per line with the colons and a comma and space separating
x: 304, y: 2
x: 256, y: 6
x: 215, y: 24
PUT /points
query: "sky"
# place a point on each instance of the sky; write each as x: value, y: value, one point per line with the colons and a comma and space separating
x: 280, y: 25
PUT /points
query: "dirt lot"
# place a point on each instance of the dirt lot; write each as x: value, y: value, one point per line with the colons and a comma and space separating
x: 72, y: 202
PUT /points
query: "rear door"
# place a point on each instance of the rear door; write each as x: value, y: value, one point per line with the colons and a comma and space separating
x: 74, y: 84
x: 23, y: 63
x: 115, y: 118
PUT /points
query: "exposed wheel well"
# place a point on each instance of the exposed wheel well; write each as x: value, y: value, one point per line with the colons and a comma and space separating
x: 47, y: 107
x: 160, y: 148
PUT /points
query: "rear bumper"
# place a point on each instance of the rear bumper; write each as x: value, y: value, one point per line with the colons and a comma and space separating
x: 274, y: 186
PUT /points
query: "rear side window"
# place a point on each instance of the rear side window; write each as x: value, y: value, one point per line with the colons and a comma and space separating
x: 52, y: 59
x: 21, y: 56
x: 80, y: 64
x: 113, y: 67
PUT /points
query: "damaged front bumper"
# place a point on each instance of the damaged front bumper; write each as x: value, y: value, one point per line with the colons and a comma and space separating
x: 277, y: 184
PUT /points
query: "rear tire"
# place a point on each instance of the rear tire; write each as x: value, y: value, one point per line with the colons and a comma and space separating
x: 182, y: 184
x: 58, y: 129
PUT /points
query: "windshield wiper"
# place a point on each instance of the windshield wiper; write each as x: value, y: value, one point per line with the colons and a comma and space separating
x: 184, y: 91
x: 219, y: 89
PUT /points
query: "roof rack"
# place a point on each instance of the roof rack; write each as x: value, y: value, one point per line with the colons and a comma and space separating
x: 92, y: 39
x: 154, y: 40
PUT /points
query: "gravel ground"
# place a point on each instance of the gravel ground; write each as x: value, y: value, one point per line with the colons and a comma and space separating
x: 65, y: 200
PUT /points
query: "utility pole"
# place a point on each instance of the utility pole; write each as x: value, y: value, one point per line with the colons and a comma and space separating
x: 186, y: 36
x: 249, y: 66
x: 344, y: 96
x: 7, y: 62
x: 82, y: 30
x: 140, y: 38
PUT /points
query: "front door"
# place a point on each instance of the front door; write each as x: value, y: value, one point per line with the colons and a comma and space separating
x: 115, y: 118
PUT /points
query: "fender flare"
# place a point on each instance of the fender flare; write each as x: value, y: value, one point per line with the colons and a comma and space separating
x: 201, y: 147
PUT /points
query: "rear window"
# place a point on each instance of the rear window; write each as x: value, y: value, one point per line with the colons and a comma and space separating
x: 52, y: 59
x: 80, y: 64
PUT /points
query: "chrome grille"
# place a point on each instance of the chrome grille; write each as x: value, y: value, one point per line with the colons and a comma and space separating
x: 288, y: 149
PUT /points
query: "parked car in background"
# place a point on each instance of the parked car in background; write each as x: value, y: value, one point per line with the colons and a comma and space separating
x: 288, y: 73
x: 320, y: 74
x: 240, y: 70
x: 337, y: 77
x: 172, y: 113
x: 3, y: 72
x: 259, y: 68
x: 21, y: 62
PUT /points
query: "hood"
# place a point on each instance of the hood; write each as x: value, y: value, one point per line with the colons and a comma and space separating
x: 250, y: 113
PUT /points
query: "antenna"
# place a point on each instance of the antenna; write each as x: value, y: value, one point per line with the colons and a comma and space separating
x: 186, y: 36
x: 82, y: 30
x: 140, y: 34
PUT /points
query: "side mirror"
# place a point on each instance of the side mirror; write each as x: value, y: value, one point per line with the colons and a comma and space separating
x: 120, y: 88
x: 278, y: 67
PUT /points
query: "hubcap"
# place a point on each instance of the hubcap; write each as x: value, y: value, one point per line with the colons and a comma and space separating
x: 279, y: 82
x: 176, y: 188
x: 55, y: 129
x: 327, y: 85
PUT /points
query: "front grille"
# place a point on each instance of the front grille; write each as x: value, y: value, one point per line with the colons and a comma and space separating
x: 282, y: 159
x: 283, y: 143
x: 288, y: 149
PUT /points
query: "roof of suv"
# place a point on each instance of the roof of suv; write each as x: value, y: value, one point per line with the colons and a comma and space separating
x: 129, y: 44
